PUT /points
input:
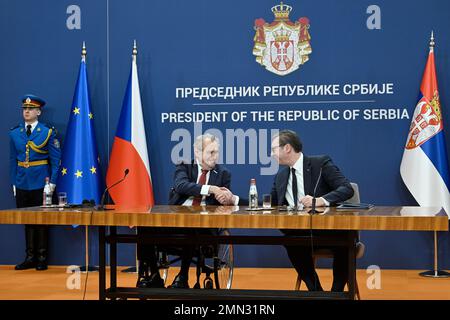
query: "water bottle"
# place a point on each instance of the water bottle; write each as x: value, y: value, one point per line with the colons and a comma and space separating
x: 47, y: 196
x: 253, y: 195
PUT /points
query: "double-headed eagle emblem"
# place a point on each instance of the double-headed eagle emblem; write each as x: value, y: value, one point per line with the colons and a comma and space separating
x: 282, y: 46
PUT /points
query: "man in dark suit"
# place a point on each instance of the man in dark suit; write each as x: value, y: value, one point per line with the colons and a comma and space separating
x: 202, y: 182
x: 296, y: 185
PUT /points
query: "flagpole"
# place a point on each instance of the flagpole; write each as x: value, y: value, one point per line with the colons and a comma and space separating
x: 135, y: 268
x: 86, y: 267
x: 435, y: 273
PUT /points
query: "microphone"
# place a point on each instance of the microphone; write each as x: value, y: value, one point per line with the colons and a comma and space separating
x: 313, y: 206
x: 102, y: 202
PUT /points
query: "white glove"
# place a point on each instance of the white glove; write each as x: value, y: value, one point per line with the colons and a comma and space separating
x: 52, y: 187
x: 14, y: 190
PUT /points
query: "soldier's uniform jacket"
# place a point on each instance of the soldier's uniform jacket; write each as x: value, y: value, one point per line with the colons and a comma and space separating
x: 34, y: 158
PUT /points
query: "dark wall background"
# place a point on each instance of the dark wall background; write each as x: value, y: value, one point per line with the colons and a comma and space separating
x: 203, y: 43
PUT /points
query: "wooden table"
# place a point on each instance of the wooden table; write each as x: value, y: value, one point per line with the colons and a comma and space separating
x: 376, y: 218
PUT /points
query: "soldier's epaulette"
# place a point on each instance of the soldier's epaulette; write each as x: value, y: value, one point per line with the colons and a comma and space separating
x: 15, y: 127
x: 50, y: 127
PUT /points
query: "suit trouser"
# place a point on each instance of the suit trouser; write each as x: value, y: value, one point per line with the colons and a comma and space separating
x: 36, y: 236
x: 148, y: 253
x: 302, y: 259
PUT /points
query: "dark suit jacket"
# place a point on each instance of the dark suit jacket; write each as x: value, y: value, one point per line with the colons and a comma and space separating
x: 185, y: 182
x: 333, y: 186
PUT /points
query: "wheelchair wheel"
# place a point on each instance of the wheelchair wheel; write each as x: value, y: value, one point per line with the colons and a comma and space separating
x: 208, y: 283
x: 223, y: 265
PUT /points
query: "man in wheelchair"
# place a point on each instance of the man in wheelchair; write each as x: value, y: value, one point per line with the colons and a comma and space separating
x: 201, y: 182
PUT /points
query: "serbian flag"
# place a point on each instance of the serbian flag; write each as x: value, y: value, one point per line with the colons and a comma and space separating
x: 129, y: 150
x: 424, y: 167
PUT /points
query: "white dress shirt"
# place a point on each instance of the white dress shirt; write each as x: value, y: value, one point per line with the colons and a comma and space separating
x: 205, y: 188
x: 298, y: 166
x: 33, y: 126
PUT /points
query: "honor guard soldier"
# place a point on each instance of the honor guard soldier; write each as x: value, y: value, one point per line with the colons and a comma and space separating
x: 35, y: 154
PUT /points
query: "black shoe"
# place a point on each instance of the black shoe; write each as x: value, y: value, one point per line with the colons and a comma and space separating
x: 41, y: 265
x: 41, y: 260
x: 180, y: 282
x: 29, y: 263
x: 30, y: 257
x: 142, y: 282
x: 154, y: 281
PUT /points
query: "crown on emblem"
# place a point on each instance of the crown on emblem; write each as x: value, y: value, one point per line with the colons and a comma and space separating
x: 281, y: 11
x: 281, y: 35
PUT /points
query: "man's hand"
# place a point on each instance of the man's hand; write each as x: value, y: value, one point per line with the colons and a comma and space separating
x: 217, y: 192
x: 230, y: 197
x: 222, y: 194
x: 14, y: 190
x: 307, y: 201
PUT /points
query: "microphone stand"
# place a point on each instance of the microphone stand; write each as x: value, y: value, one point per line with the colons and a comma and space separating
x: 87, y: 268
x: 102, y: 207
x: 313, y: 205
x: 311, y: 212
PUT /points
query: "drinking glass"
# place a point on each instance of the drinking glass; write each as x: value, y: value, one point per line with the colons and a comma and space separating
x: 267, y: 201
x: 62, y: 198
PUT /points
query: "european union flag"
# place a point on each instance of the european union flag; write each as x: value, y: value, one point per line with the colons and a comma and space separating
x: 79, y: 173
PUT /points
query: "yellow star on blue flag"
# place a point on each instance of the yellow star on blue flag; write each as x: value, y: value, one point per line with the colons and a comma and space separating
x: 79, y: 155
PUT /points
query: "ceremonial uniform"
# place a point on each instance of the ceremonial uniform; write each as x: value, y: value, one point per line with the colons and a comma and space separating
x: 34, y: 155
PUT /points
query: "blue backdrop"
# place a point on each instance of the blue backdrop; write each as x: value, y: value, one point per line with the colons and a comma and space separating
x: 208, y: 44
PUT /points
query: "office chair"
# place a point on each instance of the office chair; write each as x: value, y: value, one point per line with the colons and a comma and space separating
x: 326, y: 253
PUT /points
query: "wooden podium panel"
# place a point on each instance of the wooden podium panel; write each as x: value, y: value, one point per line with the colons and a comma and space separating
x: 376, y: 218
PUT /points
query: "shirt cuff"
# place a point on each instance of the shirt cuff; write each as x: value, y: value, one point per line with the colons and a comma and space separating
x: 327, y: 204
x: 236, y: 200
x: 205, y: 190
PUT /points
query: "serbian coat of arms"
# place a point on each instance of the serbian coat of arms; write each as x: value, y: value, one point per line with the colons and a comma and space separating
x: 427, y: 122
x: 282, y: 46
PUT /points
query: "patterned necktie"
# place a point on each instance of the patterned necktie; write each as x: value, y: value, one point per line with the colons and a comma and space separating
x: 198, y: 199
x: 28, y: 130
x: 294, y: 187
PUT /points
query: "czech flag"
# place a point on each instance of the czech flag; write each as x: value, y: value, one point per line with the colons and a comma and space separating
x: 424, y: 167
x: 129, y: 151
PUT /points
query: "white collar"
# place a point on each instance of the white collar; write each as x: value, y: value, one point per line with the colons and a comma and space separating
x: 298, y: 165
x: 199, y: 166
x: 33, y: 125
